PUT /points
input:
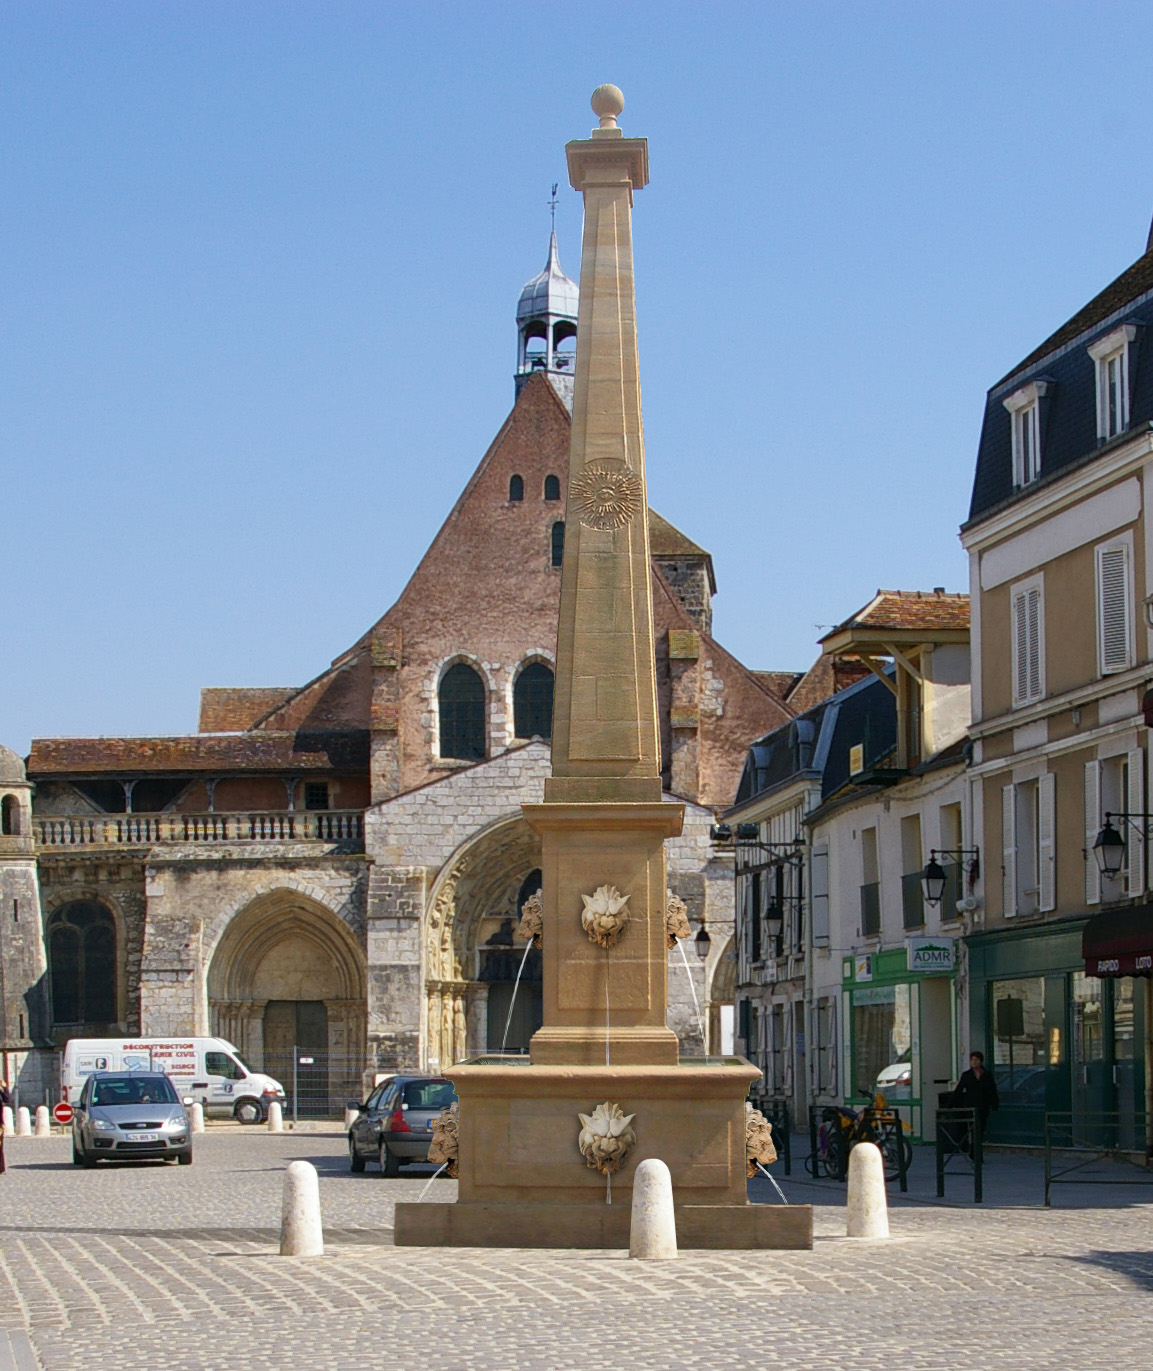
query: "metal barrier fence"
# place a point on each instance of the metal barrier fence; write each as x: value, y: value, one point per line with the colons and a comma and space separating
x: 1105, y: 1136
x: 318, y: 1084
x: 960, y: 1137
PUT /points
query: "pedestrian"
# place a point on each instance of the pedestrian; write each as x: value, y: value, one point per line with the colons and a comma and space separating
x: 977, y: 1089
x: 5, y: 1102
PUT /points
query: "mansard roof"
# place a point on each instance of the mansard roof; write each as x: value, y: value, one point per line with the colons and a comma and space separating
x: 1069, y: 418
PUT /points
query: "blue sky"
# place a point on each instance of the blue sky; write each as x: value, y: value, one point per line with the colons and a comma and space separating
x: 260, y: 260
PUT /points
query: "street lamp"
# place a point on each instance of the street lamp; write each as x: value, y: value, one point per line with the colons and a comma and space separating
x: 702, y: 942
x: 1109, y: 849
x: 934, y: 877
x: 933, y: 881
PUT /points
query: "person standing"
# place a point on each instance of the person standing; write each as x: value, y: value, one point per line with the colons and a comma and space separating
x: 5, y: 1102
x: 977, y: 1089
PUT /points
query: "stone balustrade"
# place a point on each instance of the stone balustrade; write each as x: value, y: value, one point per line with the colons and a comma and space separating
x: 150, y: 830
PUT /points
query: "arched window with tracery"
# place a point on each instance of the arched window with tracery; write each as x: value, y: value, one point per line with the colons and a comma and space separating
x: 82, y: 964
x: 532, y: 702
x: 462, y: 714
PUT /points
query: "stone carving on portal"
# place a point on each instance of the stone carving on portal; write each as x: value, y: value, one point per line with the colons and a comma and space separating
x: 676, y: 918
x: 605, y: 915
x: 606, y: 497
x: 758, y: 1140
x: 445, y: 1144
x: 445, y: 1018
x: 606, y: 1138
x: 531, y: 927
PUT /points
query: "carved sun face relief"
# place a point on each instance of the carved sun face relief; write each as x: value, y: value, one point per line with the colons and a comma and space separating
x: 606, y: 497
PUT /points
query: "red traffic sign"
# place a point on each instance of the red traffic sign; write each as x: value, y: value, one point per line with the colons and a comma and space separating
x: 62, y: 1113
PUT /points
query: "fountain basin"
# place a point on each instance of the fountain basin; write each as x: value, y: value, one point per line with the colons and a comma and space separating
x: 524, y: 1183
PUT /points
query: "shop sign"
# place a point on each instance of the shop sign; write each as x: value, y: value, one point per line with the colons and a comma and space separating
x: 931, y: 956
x: 863, y: 968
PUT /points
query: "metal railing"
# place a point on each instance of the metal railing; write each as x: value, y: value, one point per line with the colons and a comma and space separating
x: 870, y: 909
x: 151, y: 830
x: 960, y: 1136
x: 1095, y: 1137
x: 912, y: 900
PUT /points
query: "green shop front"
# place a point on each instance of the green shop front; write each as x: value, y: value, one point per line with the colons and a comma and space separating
x: 899, y: 1027
x: 1061, y: 1012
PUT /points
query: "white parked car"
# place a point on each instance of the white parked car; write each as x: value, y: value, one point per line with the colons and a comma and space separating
x: 208, y: 1070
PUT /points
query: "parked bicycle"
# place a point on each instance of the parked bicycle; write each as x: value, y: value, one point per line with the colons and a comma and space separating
x: 841, y: 1128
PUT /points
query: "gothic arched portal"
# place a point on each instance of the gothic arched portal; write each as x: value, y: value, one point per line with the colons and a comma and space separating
x: 287, y: 986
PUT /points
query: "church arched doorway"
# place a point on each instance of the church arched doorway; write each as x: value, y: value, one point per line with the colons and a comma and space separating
x: 286, y: 985
x: 471, y: 952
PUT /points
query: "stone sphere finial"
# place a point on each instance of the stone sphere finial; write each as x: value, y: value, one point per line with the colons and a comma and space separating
x: 607, y: 103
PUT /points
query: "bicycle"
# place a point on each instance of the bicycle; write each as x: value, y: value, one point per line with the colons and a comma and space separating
x: 842, y: 1128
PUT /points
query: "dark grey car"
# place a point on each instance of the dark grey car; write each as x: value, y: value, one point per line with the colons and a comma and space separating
x: 129, y: 1116
x: 394, y: 1124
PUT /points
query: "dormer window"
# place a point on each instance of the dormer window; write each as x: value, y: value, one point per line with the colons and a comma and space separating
x: 1111, y: 358
x: 1024, y: 408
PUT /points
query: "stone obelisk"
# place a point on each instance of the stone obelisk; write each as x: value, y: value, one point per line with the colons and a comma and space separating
x: 603, y: 824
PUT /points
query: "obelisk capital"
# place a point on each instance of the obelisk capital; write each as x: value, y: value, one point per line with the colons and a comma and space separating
x: 608, y: 157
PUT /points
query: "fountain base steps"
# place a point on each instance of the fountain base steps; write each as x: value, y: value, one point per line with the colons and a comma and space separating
x: 524, y: 1183
x: 699, y: 1226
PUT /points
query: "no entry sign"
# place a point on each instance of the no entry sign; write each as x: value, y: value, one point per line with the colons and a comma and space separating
x: 62, y: 1113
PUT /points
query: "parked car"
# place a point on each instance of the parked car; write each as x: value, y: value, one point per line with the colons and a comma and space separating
x: 210, y: 1070
x: 896, y: 1080
x: 129, y: 1116
x: 394, y: 1125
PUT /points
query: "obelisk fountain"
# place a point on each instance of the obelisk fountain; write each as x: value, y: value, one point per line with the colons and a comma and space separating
x: 547, y: 1149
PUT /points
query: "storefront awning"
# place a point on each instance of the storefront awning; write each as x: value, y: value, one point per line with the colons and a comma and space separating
x: 1119, y: 942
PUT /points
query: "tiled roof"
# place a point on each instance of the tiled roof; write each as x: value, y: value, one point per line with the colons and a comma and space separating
x: 253, y: 751
x: 909, y: 609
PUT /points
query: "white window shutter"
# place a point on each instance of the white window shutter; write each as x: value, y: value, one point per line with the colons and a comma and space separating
x: 1008, y: 851
x: 1113, y: 608
x: 1020, y: 649
x: 1092, y: 828
x: 1033, y: 637
x: 1135, y: 838
x: 1046, y: 842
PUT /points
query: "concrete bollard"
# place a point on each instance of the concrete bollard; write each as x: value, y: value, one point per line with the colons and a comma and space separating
x: 23, y: 1122
x: 196, y: 1117
x: 868, y: 1208
x: 43, y: 1121
x: 275, y: 1118
x: 653, y: 1231
x: 7, y: 1121
x: 301, y: 1233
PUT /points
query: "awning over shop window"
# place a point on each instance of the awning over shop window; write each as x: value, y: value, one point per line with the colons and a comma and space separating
x: 1119, y: 942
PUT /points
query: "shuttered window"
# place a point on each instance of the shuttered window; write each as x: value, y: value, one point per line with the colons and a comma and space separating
x: 820, y: 894
x: 1114, y: 620
x: 1028, y: 644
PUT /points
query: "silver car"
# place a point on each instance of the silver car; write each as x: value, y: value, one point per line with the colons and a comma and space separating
x: 129, y: 1116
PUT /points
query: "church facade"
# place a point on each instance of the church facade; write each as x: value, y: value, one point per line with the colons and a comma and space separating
x: 331, y: 874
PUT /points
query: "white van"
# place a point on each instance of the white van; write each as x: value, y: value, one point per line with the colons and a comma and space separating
x: 206, y: 1069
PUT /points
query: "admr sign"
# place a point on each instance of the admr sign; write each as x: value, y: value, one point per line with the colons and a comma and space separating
x: 931, y: 956
x: 62, y: 1113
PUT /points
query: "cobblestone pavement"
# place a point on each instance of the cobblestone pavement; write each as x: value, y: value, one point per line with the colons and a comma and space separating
x: 170, y: 1268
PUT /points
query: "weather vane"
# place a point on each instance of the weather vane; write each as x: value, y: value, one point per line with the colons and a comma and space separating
x: 552, y: 205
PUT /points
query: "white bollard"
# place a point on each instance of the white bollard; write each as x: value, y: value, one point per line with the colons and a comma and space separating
x: 868, y: 1208
x: 7, y: 1122
x: 301, y: 1233
x: 196, y: 1117
x: 275, y: 1118
x: 653, y: 1231
x: 43, y: 1121
x: 23, y: 1122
